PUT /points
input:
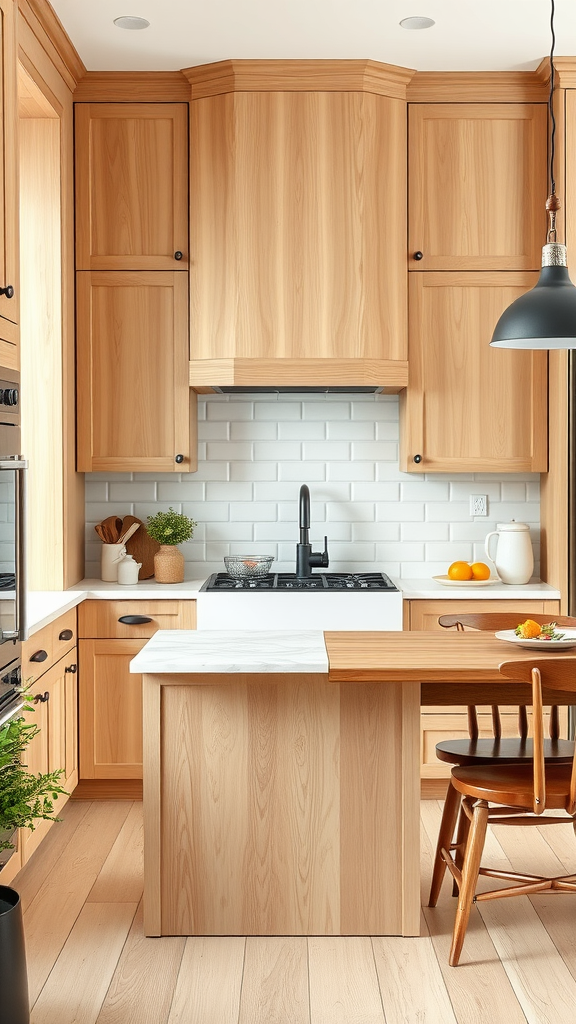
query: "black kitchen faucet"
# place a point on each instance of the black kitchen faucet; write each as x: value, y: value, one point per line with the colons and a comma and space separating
x: 306, y: 559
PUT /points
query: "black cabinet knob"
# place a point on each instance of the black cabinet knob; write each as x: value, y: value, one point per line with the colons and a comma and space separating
x: 39, y: 656
x: 178, y: 255
x: 72, y: 669
x: 8, y: 291
x: 66, y: 634
x: 178, y: 459
x: 41, y: 698
x: 418, y: 255
x: 417, y: 458
x: 134, y: 620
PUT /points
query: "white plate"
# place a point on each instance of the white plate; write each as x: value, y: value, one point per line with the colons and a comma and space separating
x: 447, y: 582
x: 569, y: 640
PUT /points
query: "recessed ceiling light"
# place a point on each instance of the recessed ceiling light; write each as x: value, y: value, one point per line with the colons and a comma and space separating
x: 417, y: 22
x: 130, y: 21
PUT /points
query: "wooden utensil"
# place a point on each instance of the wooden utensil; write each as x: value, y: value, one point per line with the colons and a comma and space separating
x: 111, y: 528
x: 141, y: 547
x: 126, y: 534
x: 101, y: 533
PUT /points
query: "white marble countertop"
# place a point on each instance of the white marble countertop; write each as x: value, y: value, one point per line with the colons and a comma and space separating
x: 429, y: 589
x: 215, y: 650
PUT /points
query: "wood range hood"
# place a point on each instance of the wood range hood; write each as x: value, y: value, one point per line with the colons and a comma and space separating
x: 284, y: 376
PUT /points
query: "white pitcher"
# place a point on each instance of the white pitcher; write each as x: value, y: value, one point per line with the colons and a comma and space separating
x: 513, y: 557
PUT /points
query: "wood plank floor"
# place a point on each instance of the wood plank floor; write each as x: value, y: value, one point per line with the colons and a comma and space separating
x: 89, y: 962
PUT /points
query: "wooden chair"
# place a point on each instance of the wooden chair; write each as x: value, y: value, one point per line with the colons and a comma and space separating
x: 522, y: 793
x: 514, y: 749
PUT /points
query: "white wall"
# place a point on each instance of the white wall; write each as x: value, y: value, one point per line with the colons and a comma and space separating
x: 256, y: 450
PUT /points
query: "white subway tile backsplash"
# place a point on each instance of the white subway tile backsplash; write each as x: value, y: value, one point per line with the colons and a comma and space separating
x: 256, y: 450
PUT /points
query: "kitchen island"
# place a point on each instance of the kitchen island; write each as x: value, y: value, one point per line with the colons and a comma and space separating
x: 281, y: 774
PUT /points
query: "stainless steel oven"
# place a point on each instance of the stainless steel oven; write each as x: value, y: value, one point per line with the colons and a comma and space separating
x: 12, y: 544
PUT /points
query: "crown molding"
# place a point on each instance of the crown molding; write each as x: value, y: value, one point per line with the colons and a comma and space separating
x: 477, y: 87
x: 298, y: 76
x: 52, y: 36
x: 565, y: 72
x: 132, y: 87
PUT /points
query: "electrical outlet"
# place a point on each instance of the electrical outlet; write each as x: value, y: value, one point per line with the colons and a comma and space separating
x: 478, y: 504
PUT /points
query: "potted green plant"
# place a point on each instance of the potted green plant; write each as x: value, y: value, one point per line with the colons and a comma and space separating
x: 169, y: 529
x: 24, y: 799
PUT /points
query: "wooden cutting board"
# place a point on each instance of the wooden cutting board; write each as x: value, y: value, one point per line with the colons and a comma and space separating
x: 141, y: 547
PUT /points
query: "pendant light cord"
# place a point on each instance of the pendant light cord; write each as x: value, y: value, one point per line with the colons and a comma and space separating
x: 550, y: 104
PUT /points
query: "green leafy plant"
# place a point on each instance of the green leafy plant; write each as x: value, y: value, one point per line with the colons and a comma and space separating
x: 24, y: 797
x: 170, y: 527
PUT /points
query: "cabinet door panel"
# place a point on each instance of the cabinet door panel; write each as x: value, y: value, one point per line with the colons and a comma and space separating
x: 131, y: 186
x: 477, y: 174
x: 110, y: 710
x: 9, y: 273
x: 134, y: 401
x: 469, y: 407
x: 425, y: 614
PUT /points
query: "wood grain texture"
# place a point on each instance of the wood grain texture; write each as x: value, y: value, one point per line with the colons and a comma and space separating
x: 491, y: 161
x: 132, y: 87
x: 290, y: 226
x: 131, y: 186
x: 108, y: 789
x: 97, y: 938
x: 110, y: 701
x: 411, y: 981
x: 48, y: 29
x: 100, y: 619
x: 425, y: 614
x: 121, y: 877
x: 391, y: 374
x: 275, y: 989
x: 342, y: 982
x: 144, y: 980
x: 469, y: 404
x: 297, y: 76
x: 132, y: 347
x: 210, y: 980
x: 477, y: 87
x: 9, y: 189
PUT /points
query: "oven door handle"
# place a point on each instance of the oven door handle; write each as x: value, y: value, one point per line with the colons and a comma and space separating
x: 20, y: 466
x: 11, y: 712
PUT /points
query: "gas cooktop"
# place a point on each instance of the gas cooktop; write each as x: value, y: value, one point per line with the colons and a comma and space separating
x: 320, y: 581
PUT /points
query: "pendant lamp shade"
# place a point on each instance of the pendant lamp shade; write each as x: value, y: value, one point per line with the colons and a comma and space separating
x: 544, y: 317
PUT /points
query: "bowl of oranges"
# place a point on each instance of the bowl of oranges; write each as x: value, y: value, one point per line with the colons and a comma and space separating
x: 467, y: 574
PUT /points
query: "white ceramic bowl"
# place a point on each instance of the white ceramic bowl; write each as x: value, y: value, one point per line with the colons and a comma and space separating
x: 248, y: 566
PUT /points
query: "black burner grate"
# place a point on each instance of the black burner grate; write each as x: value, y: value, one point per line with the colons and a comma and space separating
x: 321, y: 581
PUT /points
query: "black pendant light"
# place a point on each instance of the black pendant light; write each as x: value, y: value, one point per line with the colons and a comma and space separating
x: 544, y: 317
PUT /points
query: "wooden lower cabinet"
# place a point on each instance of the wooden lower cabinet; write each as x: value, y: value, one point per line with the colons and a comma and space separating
x: 110, y: 695
x: 442, y: 723
x: 54, y: 696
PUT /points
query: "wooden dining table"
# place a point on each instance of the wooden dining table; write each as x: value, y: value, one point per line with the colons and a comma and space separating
x: 407, y: 670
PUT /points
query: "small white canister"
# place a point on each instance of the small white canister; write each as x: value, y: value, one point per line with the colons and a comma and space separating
x: 111, y: 556
x: 128, y: 571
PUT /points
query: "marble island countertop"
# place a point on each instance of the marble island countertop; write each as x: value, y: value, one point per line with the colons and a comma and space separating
x: 191, y: 651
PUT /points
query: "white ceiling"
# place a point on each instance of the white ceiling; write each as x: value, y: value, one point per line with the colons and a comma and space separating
x: 469, y: 35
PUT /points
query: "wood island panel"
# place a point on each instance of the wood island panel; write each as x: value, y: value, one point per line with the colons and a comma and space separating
x: 268, y: 804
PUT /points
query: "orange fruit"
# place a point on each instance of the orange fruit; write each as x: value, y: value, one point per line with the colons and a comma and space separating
x: 480, y: 571
x: 529, y: 629
x: 460, y: 571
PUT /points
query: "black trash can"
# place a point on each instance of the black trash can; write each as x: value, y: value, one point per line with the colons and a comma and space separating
x: 14, y: 1006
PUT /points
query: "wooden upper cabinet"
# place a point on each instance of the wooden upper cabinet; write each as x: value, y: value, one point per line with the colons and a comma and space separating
x: 134, y: 408
x: 131, y: 186
x: 470, y: 407
x: 298, y: 206
x: 477, y: 185
x: 9, y: 269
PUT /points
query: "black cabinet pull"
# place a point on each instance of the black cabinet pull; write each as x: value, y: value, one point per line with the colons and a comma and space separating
x: 71, y: 668
x: 41, y: 698
x: 418, y: 255
x: 134, y: 620
x: 178, y: 255
x: 417, y: 458
x: 178, y: 459
x: 8, y: 291
x: 66, y: 634
x: 39, y: 656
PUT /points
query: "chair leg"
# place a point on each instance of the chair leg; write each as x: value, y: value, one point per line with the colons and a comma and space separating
x: 470, y: 869
x: 461, y: 840
x: 449, y: 815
